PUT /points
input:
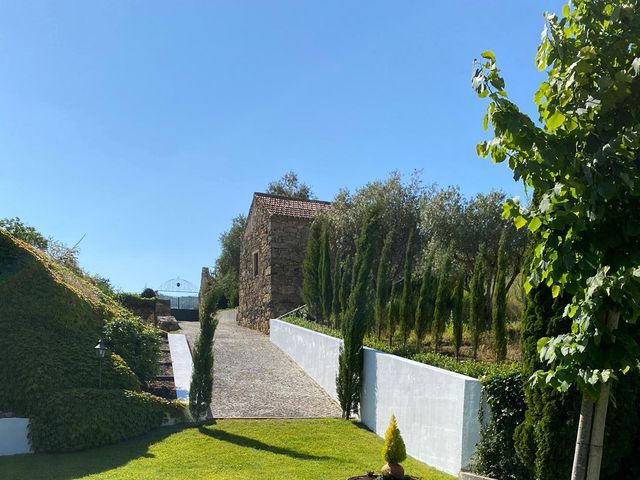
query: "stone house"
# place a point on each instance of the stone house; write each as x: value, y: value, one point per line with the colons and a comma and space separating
x: 271, y: 257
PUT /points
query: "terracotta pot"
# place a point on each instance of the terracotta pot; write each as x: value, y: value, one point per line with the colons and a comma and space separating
x: 393, y: 469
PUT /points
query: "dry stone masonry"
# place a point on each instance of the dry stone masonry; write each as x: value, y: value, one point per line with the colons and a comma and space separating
x: 271, y: 257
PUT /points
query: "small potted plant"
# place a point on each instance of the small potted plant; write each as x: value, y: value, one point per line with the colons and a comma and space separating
x: 393, y: 451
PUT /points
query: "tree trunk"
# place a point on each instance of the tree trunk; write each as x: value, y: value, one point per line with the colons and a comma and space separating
x: 590, y: 440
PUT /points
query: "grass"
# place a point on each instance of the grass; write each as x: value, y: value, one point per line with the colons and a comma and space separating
x: 326, y: 449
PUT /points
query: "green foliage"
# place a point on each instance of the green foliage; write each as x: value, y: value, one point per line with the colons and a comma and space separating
x: 138, y: 344
x: 290, y: 186
x: 394, y: 313
x: 457, y: 314
x: 148, y: 293
x: 443, y: 303
x: 495, y: 454
x: 477, y: 301
x: 51, y: 320
x: 227, y: 267
x: 310, y: 271
x: 324, y: 273
x: 406, y: 312
x: 382, y: 285
x: 500, y: 303
x: 424, y: 310
x: 581, y: 160
x: 335, y: 301
x: 202, y: 376
x: 26, y: 233
x: 354, y: 323
x: 81, y: 418
x: 393, y: 450
x: 345, y: 284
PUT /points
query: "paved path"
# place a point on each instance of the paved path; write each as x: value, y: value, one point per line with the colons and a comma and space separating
x: 252, y: 378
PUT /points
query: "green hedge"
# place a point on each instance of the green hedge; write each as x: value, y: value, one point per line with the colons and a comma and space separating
x: 82, y: 418
x: 137, y: 343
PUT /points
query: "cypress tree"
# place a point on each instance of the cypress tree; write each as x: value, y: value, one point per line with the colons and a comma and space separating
x: 457, y: 312
x: 335, y: 303
x: 424, y: 310
x: 442, y: 306
x: 476, y: 303
x: 345, y: 284
x: 406, y: 312
x: 394, y: 311
x: 500, y: 303
x: 354, y: 322
x: 310, y: 271
x: 202, y: 374
x: 326, y: 287
x: 382, y: 285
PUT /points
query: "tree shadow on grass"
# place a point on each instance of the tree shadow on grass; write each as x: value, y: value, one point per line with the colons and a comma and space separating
x: 68, y: 466
x: 248, y: 442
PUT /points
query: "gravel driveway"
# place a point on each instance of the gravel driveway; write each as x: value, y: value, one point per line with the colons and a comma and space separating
x: 252, y: 378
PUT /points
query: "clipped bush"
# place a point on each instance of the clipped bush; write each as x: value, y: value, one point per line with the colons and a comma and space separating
x: 393, y: 450
x: 137, y: 343
x: 148, y: 293
x: 81, y: 418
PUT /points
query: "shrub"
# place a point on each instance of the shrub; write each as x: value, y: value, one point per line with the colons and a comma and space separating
x: 148, y: 293
x: 393, y: 450
x: 81, y: 418
x: 137, y: 343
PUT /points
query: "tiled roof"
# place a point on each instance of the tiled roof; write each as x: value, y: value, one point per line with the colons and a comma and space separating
x: 289, y: 207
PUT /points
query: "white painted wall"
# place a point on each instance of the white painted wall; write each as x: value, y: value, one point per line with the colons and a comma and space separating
x: 182, y: 364
x: 315, y: 352
x: 13, y: 436
x: 437, y: 410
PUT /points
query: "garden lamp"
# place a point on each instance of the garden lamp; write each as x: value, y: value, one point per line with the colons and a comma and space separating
x: 100, y: 349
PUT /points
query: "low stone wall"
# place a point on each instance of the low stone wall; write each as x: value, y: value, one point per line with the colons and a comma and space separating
x: 437, y: 410
x: 13, y: 436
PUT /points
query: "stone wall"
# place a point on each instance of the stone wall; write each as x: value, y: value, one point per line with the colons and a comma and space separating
x: 255, y: 290
x: 288, y: 248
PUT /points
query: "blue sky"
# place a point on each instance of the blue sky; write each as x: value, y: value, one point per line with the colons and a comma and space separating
x: 148, y: 125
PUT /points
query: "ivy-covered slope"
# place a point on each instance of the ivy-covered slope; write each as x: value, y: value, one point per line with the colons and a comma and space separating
x: 50, y: 321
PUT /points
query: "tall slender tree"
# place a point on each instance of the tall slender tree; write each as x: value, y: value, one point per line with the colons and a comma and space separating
x: 499, y: 311
x: 382, y: 285
x: 406, y: 312
x: 335, y: 302
x: 310, y: 271
x: 476, y: 302
x: 354, y: 323
x: 457, y: 314
x: 202, y: 375
x: 345, y: 284
x: 424, y: 310
x: 324, y: 270
x: 393, y: 306
x: 443, y: 302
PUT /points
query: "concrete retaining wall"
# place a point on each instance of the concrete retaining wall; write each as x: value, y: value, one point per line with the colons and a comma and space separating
x: 13, y: 436
x: 437, y: 410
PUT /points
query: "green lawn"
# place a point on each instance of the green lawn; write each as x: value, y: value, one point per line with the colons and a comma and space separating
x: 232, y: 449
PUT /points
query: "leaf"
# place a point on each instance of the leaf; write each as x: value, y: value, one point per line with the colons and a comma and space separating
x: 555, y: 121
x: 565, y: 10
x: 520, y: 222
x: 534, y: 224
x: 555, y: 291
x: 488, y: 54
x: 527, y: 287
x: 485, y: 122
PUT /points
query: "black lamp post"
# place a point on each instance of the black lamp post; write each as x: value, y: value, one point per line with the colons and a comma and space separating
x: 101, y: 349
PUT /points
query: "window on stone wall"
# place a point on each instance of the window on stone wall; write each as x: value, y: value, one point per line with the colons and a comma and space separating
x: 255, y: 264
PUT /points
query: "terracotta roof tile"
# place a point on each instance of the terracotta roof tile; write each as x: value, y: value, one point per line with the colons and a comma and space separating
x: 290, y: 207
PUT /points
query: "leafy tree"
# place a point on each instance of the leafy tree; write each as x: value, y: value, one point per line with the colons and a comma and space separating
x: 227, y: 267
x: 310, y: 271
x: 442, y: 307
x: 500, y: 304
x: 202, y: 376
x: 457, y: 313
x: 290, y: 186
x: 406, y: 312
x: 24, y: 232
x: 354, y: 323
x: 581, y: 160
x: 476, y: 302
x: 382, y: 285
x: 324, y: 273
